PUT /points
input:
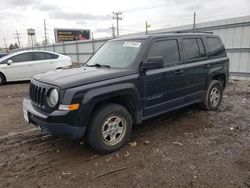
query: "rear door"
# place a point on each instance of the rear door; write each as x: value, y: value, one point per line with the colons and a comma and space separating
x: 44, y: 62
x: 195, y: 58
x: 164, y: 88
x: 21, y: 67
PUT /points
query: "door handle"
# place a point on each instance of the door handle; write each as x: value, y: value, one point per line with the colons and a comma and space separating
x: 180, y: 71
x: 206, y: 66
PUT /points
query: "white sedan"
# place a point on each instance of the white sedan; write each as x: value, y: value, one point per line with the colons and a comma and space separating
x: 25, y: 64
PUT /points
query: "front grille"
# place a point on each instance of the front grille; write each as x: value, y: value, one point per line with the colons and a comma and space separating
x: 37, y: 95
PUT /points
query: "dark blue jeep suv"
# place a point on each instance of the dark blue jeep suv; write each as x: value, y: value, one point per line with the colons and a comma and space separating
x: 125, y: 82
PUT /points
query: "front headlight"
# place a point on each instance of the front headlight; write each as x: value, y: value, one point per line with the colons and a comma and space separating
x: 53, y: 98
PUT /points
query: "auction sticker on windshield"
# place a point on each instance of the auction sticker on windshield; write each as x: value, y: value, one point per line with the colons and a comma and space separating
x: 132, y: 44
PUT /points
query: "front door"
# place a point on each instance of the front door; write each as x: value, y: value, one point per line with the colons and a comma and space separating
x: 164, y: 88
x: 21, y: 67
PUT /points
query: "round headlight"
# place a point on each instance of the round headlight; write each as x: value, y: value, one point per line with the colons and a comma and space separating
x: 53, y: 98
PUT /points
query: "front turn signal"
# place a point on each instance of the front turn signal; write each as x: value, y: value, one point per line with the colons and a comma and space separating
x: 70, y: 107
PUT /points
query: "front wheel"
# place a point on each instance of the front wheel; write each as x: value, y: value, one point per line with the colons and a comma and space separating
x: 213, y: 96
x: 109, y: 129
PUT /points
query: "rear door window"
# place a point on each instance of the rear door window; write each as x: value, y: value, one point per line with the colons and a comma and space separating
x: 193, y: 49
x: 44, y: 56
x: 22, y: 58
x: 168, y: 49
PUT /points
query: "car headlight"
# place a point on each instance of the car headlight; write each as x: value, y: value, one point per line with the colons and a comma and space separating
x: 53, y: 98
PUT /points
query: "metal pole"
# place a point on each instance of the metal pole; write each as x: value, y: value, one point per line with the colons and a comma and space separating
x: 45, y: 33
x: 113, y: 31
x: 117, y: 16
x: 5, y: 45
x: 194, y: 26
x: 18, y: 39
x: 32, y: 42
x: 63, y: 47
x: 77, y: 52
x: 53, y: 47
x: 93, y: 44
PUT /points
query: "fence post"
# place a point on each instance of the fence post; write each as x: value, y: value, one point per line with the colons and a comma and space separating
x: 63, y: 48
x: 93, y: 44
x: 53, y: 45
x: 77, y: 52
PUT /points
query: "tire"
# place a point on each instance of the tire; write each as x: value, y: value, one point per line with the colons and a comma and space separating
x: 2, y: 79
x: 213, y: 96
x: 104, y: 135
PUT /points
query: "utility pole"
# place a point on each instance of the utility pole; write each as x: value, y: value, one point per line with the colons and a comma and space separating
x: 194, y: 26
x: 45, y: 33
x: 117, y: 17
x: 17, y: 36
x: 147, y: 26
x: 113, y: 31
x: 5, y: 44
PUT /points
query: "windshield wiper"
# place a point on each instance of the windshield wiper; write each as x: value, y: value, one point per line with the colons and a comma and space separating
x: 99, y: 65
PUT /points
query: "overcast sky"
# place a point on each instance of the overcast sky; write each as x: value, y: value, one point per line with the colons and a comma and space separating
x: 97, y: 15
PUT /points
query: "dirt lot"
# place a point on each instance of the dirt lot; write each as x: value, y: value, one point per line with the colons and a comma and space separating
x: 185, y: 148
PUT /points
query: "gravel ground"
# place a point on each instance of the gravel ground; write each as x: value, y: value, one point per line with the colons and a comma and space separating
x: 184, y: 148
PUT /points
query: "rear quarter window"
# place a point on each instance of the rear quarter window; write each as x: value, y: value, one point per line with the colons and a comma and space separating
x: 216, y: 49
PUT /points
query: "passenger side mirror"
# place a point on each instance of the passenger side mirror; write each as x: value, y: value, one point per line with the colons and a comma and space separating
x: 153, y: 63
x: 9, y: 62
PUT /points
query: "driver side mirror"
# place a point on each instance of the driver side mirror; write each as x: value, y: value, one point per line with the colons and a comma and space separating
x: 9, y: 62
x: 153, y: 63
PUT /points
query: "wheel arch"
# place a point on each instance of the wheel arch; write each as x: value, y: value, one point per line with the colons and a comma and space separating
x: 1, y: 73
x: 125, y: 95
x: 221, y: 78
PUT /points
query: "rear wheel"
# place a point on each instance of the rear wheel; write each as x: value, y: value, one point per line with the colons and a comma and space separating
x: 2, y: 79
x: 110, y: 128
x: 213, y: 96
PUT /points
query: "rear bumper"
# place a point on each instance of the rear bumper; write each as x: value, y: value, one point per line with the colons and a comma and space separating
x: 48, y: 122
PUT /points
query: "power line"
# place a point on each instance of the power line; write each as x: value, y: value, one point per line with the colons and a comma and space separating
x: 117, y: 16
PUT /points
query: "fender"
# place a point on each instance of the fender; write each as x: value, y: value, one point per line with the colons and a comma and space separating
x: 222, y: 69
x: 92, y: 97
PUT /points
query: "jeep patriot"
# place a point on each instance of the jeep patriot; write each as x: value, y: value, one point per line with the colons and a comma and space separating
x: 126, y: 81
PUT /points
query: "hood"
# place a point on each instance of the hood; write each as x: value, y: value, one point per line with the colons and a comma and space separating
x: 80, y: 76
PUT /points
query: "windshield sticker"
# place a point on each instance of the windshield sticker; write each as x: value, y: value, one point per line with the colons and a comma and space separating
x: 132, y: 44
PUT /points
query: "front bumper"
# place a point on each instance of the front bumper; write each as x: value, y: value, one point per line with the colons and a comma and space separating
x: 50, y: 122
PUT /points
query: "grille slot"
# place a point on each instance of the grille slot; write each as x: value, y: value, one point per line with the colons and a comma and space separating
x: 37, y: 95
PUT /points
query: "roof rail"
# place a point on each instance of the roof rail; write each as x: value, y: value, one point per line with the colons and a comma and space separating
x: 191, y: 31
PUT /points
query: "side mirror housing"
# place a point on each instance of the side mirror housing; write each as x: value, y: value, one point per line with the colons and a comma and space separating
x: 9, y: 62
x: 153, y: 63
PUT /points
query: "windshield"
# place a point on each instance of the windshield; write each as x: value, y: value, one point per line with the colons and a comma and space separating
x: 116, y: 54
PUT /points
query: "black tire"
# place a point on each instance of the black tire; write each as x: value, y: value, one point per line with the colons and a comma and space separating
x: 213, y: 96
x: 2, y: 79
x: 103, y: 126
